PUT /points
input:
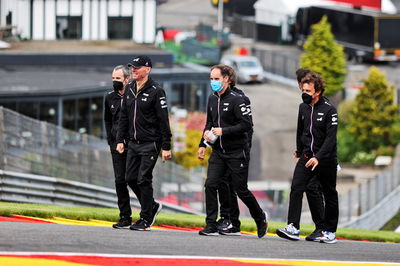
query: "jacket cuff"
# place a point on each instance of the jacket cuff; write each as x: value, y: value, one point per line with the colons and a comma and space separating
x: 298, y: 154
x: 166, y: 146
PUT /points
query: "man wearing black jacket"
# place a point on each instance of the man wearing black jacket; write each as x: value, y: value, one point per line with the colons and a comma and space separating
x: 316, y: 150
x: 144, y: 122
x: 227, y: 196
x: 112, y: 108
x: 227, y: 125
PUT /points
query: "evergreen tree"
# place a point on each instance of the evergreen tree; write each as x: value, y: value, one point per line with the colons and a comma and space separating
x: 374, y: 115
x: 323, y: 55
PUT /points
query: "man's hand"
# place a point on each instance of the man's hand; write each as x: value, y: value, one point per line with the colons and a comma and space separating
x: 296, y: 158
x: 120, y: 147
x: 206, y: 137
x: 166, y: 155
x: 217, y: 131
x: 201, y: 153
x: 312, y: 162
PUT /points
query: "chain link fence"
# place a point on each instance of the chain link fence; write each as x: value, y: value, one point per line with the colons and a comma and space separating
x: 31, y: 146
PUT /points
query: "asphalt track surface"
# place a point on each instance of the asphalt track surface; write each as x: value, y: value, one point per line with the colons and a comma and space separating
x: 33, y: 237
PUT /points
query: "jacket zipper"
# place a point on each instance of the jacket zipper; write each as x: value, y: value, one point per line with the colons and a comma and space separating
x: 134, y: 116
x: 219, y: 123
x: 311, y: 125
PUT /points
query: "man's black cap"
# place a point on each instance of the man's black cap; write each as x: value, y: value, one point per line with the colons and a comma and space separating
x: 140, y: 61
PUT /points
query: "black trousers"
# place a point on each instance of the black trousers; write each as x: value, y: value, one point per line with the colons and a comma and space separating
x: 326, y: 173
x: 141, y: 159
x: 229, y: 206
x: 237, y: 164
x: 314, y: 194
x: 121, y: 187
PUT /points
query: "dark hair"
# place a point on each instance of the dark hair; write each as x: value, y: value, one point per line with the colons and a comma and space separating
x: 227, y: 71
x: 319, y: 83
x: 301, y: 73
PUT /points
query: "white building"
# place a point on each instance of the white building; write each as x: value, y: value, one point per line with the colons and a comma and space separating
x: 81, y: 19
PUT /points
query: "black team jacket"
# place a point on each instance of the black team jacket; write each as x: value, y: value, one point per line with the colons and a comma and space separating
x: 144, y: 115
x: 316, y: 131
x: 229, y: 112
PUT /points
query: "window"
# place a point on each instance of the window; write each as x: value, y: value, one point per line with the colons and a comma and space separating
x: 69, y: 116
x: 96, y: 109
x: 69, y: 28
x: 48, y: 112
x: 119, y: 28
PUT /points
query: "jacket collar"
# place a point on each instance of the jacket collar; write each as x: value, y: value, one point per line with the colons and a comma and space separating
x: 223, y: 95
x: 149, y: 83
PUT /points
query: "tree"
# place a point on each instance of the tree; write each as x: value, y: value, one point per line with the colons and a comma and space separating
x: 188, y: 158
x: 323, y: 55
x: 374, y: 116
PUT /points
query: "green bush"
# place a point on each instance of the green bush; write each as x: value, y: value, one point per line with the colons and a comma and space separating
x: 363, y: 157
x: 347, y: 146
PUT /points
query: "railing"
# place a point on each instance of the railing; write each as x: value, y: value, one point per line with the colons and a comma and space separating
x: 34, y: 147
x: 19, y: 187
x: 370, y: 205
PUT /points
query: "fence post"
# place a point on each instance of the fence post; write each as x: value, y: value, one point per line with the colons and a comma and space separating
x: 349, y: 204
x: 2, y: 140
x: 359, y: 191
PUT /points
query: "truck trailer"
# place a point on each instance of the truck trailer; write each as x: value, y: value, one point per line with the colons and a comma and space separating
x: 365, y: 35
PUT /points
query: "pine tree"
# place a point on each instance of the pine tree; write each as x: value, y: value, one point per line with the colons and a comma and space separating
x: 374, y: 115
x: 323, y: 55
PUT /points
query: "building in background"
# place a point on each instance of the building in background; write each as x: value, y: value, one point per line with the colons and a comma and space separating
x: 81, y: 19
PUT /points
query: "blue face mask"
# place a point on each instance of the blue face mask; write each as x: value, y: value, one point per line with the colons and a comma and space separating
x: 216, y: 85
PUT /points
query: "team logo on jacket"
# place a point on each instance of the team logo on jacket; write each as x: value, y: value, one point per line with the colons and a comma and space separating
x: 334, y: 119
x: 225, y: 109
x: 112, y: 106
x: 144, y: 99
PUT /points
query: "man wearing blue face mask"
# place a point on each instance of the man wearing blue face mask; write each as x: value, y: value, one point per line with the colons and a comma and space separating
x: 228, y: 120
x: 316, y: 153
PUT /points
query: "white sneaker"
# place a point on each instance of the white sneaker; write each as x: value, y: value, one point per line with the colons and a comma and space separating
x: 328, y: 237
x: 289, y: 232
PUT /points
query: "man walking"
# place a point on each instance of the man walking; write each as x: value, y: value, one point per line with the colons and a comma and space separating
x: 144, y: 122
x: 227, y: 125
x: 316, y: 150
x: 313, y: 191
x: 112, y: 108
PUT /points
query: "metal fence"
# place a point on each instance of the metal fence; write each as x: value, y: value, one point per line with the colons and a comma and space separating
x: 31, y: 146
x: 35, y: 147
x: 370, y: 205
x: 277, y: 62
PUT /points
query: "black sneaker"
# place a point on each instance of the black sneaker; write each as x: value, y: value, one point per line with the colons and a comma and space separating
x: 140, y: 225
x: 209, y: 230
x: 123, y: 223
x: 224, y: 224
x: 262, y: 225
x: 157, y: 206
x: 234, y: 231
x: 315, y: 236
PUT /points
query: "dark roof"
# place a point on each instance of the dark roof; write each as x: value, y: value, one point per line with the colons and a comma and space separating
x: 54, y: 80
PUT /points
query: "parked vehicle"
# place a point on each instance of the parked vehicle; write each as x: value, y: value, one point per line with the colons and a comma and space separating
x: 248, y: 68
x: 365, y: 35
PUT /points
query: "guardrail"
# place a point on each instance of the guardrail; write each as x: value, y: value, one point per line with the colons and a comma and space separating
x: 29, y: 188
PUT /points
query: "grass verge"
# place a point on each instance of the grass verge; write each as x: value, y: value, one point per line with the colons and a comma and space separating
x: 183, y: 220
